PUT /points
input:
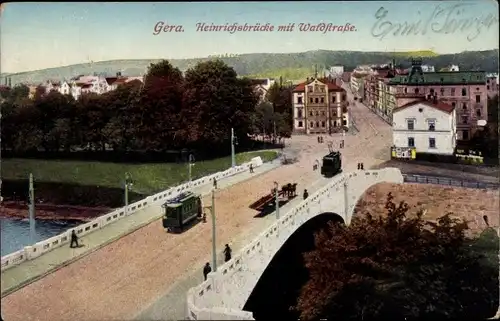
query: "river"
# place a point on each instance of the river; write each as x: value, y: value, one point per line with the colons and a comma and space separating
x: 15, y: 234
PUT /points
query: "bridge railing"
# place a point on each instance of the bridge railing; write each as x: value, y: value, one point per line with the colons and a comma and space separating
x: 200, y: 296
x: 437, y: 180
x: 42, y: 247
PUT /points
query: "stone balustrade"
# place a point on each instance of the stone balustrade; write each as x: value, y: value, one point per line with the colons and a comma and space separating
x: 223, y: 295
x: 40, y: 248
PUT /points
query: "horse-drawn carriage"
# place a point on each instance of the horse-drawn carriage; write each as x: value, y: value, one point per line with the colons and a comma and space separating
x: 288, y: 190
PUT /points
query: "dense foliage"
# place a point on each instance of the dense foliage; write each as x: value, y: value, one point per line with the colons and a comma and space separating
x: 168, y: 111
x: 486, y: 139
x: 402, y: 268
x: 292, y: 66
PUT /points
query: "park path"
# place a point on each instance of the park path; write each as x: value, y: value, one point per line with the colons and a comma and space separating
x: 121, y: 279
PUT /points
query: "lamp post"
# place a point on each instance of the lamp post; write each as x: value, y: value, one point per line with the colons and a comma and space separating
x: 128, y: 184
x: 276, y: 200
x: 214, y: 246
x: 32, y: 209
x: 234, y: 142
x: 190, y: 165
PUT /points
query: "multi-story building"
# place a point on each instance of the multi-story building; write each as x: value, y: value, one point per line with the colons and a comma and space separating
x: 429, y: 126
x: 465, y: 90
x: 319, y: 106
x: 492, y: 84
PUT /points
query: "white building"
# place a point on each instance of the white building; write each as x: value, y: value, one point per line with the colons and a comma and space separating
x: 428, y: 68
x: 261, y: 86
x: 336, y: 71
x: 429, y: 126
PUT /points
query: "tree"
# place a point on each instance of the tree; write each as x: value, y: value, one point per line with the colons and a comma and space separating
x: 397, y: 267
x: 215, y: 101
x: 159, y: 106
x: 91, y: 119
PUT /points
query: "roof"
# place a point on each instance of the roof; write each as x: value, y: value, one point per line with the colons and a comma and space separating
x: 441, y: 78
x: 111, y: 80
x: 258, y: 81
x: 85, y: 86
x: 437, y: 105
x: 120, y: 81
x: 331, y: 86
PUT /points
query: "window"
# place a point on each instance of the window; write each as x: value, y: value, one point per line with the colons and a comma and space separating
x: 416, y: 90
x: 323, y: 113
x: 299, y: 113
x: 310, y: 100
x: 316, y: 100
x: 317, y: 113
x: 333, y: 99
x: 411, y: 142
x: 310, y: 113
x: 411, y: 124
x: 442, y: 91
x: 478, y: 113
x: 300, y: 124
x: 432, y: 142
x: 322, y: 100
x: 317, y: 124
x: 478, y: 98
x: 453, y: 91
x: 432, y: 91
x: 344, y: 122
x: 453, y: 104
x: 406, y: 90
x: 299, y: 100
x: 465, y: 135
x: 316, y: 88
x: 311, y: 124
x: 344, y: 97
x: 464, y: 106
x: 432, y: 124
x: 323, y: 124
x: 465, y: 119
x: 322, y: 89
x: 310, y: 88
x: 464, y: 92
x: 488, y: 87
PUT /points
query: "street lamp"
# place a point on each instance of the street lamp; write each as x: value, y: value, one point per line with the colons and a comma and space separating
x: 234, y: 142
x: 32, y: 209
x: 214, y: 245
x: 276, y: 192
x: 190, y: 165
x: 128, y: 184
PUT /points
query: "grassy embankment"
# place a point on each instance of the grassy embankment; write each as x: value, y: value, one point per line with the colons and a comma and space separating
x: 147, y: 178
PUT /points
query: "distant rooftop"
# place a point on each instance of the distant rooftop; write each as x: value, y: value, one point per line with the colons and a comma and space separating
x: 441, y: 78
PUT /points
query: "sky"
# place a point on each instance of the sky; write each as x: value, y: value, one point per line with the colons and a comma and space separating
x: 43, y: 35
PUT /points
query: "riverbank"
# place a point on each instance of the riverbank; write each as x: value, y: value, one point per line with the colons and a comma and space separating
x: 51, y: 212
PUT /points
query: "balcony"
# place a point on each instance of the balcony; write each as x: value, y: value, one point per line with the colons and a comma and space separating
x: 409, y: 95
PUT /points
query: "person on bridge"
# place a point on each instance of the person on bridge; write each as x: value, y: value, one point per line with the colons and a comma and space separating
x: 215, y: 183
x: 251, y: 168
x: 227, y: 253
x: 206, y: 269
x: 74, y: 240
x: 306, y: 194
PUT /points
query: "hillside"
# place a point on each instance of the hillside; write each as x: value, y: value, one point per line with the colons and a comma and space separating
x: 288, y: 65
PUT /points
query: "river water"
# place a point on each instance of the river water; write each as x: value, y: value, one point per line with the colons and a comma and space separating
x: 15, y: 234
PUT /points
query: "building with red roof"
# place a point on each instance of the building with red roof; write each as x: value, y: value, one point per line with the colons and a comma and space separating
x: 319, y: 107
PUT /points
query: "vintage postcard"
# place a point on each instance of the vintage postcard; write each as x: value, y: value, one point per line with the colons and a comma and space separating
x: 249, y: 160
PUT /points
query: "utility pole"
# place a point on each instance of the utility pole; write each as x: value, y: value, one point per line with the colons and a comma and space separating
x: 346, y: 202
x: 32, y: 209
x: 190, y: 164
x: 276, y: 200
x: 214, y: 246
x: 128, y: 184
x: 233, y: 142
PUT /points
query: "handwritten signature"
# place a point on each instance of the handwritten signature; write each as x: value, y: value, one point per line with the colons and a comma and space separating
x: 443, y: 20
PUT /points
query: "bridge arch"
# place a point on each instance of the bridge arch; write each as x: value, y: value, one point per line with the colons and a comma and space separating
x: 282, y: 279
x: 226, y: 291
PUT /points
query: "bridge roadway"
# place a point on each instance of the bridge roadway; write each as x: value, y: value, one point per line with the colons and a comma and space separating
x: 141, y: 269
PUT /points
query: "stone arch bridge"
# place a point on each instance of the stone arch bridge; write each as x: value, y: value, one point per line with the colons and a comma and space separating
x: 224, y: 294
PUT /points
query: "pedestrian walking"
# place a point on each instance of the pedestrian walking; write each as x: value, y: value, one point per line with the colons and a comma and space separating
x: 251, y: 168
x: 359, y: 165
x: 206, y: 269
x: 215, y: 183
x: 342, y: 143
x: 362, y: 166
x: 74, y: 240
x: 227, y: 253
x: 306, y: 194
x: 318, y: 140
